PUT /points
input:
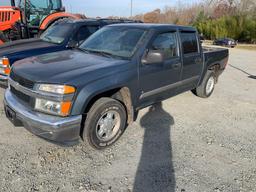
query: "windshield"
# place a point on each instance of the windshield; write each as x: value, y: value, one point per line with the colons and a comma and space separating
x: 121, y: 42
x: 6, y: 3
x: 42, y: 4
x: 57, y: 33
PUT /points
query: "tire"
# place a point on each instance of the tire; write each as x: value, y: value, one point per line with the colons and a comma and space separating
x: 207, y: 86
x: 105, y: 123
x: 3, y: 38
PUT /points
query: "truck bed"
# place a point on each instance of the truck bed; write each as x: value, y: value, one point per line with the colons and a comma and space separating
x: 214, y: 55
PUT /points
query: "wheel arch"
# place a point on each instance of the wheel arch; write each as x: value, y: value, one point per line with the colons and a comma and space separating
x: 50, y: 19
x: 212, y: 67
x: 215, y: 68
x: 121, y: 94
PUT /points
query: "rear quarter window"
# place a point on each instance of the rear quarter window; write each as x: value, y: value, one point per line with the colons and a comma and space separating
x: 189, y: 42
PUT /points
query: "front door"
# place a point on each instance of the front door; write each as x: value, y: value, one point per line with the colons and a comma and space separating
x: 159, y: 81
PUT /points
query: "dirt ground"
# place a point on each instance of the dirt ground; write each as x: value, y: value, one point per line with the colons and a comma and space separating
x: 189, y: 145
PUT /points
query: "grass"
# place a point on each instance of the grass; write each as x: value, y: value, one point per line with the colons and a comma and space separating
x: 239, y: 46
x: 246, y: 46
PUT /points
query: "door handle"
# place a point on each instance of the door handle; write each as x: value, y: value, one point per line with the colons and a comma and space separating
x: 176, y: 65
x: 198, y: 60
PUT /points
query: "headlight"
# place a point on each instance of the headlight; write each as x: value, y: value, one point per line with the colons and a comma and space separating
x: 61, y: 108
x: 53, y: 107
x: 59, y: 89
x: 5, y: 66
x: 1, y: 69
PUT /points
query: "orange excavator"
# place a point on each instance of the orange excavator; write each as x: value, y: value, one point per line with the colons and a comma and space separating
x: 21, y: 19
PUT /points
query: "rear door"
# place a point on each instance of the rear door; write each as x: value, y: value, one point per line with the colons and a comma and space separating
x: 192, y: 60
x: 159, y: 81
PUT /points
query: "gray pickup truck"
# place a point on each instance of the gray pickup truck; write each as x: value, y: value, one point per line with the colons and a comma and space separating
x: 93, y: 92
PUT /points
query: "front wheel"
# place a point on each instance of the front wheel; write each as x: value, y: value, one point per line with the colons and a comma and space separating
x: 105, y: 123
x: 207, y: 86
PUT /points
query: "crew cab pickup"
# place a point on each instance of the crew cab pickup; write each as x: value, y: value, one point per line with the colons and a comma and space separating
x: 64, y: 34
x: 95, y: 91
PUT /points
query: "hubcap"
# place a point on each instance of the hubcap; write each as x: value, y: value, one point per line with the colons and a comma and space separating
x: 210, y: 85
x: 108, y: 125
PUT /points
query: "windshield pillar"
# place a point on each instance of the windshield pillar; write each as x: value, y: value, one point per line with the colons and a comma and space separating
x: 13, y: 3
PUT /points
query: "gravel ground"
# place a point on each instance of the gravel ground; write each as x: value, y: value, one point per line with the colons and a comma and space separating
x: 188, y: 144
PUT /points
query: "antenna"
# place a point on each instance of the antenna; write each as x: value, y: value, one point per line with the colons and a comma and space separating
x: 131, y: 7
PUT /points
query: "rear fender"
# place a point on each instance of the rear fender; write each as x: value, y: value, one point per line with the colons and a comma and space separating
x: 216, y: 66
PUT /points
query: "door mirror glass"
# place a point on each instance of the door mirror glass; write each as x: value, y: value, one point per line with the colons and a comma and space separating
x: 153, y: 57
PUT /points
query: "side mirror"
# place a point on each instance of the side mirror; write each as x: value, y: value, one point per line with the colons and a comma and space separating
x: 72, y: 44
x: 153, y: 57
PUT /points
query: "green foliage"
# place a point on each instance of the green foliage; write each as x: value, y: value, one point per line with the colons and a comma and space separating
x: 238, y: 27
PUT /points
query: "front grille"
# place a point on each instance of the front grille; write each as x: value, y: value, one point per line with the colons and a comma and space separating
x: 6, y: 16
x: 23, y: 97
x: 23, y: 82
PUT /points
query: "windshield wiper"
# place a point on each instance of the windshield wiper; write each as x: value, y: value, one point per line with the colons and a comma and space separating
x: 103, y: 53
x: 81, y: 49
x: 48, y: 39
x: 107, y: 54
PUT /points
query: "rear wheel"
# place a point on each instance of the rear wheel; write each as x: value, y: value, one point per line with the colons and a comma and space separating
x: 105, y: 123
x: 207, y: 86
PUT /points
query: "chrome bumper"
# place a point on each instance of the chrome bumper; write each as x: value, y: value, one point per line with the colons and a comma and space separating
x: 3, y: 80
x: 64, y: 130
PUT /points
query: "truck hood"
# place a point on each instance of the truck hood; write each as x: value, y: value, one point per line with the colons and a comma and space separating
x: 21, y: 46
x: 65, y: 67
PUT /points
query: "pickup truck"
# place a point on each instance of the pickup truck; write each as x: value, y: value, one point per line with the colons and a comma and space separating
x: 64, y: 34
x: 94, y: 92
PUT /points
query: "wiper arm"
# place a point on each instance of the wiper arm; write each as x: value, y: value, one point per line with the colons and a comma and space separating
x: 106, y: 54
x: 103, y: 53
x: 81, y: 49
x: 47, y: 38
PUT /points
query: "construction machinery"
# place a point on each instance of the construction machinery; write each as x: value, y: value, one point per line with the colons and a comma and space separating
x: 21, y: 19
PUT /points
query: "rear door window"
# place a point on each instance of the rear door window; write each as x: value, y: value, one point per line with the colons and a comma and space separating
x: 189, y: 42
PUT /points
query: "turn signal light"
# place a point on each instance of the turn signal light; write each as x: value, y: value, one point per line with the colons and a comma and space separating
x: 7, y: 71
x: 69, y: 89
x: 5, y: 62
x: 6, y: 65
x: 65, y: 108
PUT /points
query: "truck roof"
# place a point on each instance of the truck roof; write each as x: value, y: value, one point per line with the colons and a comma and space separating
x: 99, y: 21
x: 155, y: 26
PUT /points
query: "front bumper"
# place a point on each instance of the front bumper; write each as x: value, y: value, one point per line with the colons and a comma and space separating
x: 63, y: 130
x: 3, y: 80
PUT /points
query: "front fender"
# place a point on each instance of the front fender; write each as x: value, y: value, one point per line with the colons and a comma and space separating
x: 93, y: 89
